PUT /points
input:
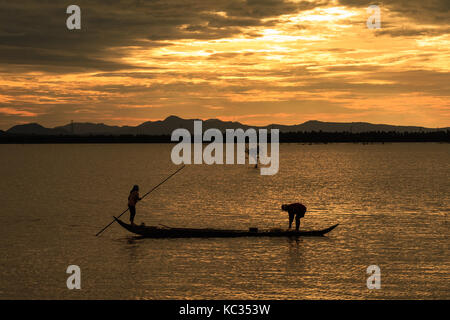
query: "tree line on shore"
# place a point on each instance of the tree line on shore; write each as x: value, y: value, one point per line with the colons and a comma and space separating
x: 285, y: 137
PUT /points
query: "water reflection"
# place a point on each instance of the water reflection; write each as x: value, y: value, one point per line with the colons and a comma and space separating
x: 376, y: 192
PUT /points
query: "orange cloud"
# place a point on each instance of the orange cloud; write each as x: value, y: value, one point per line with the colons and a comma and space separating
x: 15, y: 112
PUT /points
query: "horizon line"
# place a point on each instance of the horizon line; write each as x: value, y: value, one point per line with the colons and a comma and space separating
x: 232, y: 121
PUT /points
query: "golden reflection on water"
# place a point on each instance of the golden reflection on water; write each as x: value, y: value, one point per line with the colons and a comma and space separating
x: 391, y: 201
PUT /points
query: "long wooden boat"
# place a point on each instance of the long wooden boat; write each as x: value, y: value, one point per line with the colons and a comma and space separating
x: 168, y: 232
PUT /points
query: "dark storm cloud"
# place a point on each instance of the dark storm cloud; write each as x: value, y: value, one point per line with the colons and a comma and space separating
x: 423, y: 11
x: 57, y: 60
x: 34, y: 33
x: 435, y: 14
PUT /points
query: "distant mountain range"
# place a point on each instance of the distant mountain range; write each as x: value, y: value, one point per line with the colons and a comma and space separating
x: 165, y: 127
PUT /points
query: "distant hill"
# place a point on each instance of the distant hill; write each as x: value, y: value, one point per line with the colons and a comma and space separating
x: 171, y: 123
x: 88, y: 128
x: 353, y: 127
x: 166, y: 127
x: 35, y: 129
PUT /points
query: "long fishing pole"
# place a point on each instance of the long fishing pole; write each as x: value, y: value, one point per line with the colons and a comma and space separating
x: 154, y: 188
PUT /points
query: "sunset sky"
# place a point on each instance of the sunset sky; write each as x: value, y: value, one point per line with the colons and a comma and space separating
x: 253, y: 61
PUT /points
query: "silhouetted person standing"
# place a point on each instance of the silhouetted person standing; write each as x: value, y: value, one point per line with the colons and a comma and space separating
x: 296, y: 210
x: 133, y: 198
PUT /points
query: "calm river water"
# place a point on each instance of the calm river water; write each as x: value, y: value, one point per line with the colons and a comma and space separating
x: 392, y: 202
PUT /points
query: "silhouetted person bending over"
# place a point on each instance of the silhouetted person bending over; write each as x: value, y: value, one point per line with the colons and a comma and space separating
x: 294, y: 209
x: 133, y: 198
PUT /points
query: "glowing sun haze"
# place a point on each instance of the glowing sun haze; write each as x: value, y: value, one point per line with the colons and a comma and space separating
x: 257, y: 62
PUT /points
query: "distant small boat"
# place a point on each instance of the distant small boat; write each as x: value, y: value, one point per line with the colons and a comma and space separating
x: 168, y: 232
